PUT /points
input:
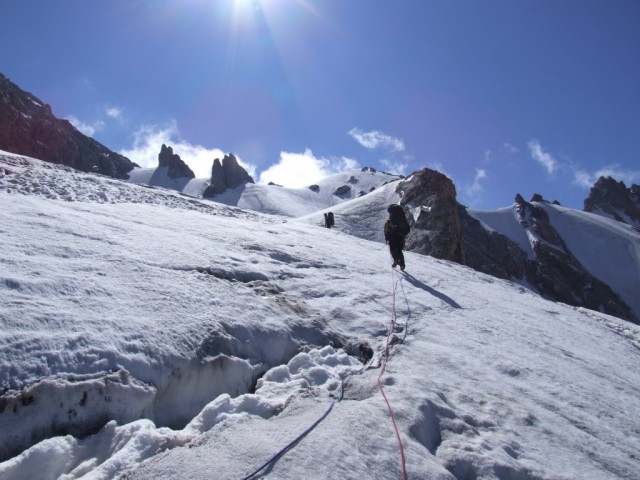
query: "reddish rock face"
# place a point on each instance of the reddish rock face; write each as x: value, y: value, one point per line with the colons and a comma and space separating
x: 28, y: 127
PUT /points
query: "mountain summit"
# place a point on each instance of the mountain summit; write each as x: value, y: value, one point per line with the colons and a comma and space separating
x: 613, y: 199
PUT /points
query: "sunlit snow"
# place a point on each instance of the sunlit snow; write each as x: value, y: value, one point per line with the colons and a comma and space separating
x: 147, y: 334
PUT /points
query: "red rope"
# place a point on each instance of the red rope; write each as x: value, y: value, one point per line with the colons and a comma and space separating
x: 383, y: 367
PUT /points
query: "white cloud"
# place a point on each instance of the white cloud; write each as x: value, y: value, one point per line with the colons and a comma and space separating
x: 476, y: 187
x: 90, y: 129
x: 544, y: 158
x: 584, y: 179
x: 297, y: 170
x: 510, y: 148
x: 375, y: 139
x: 395, y: 167
x: 149, y: 139
x: 113, y: 112
x: 85, y: 128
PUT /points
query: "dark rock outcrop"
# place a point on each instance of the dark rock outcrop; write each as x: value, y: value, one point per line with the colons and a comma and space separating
x: 342, y: 191
x: 613, y: 198
x: 435, y: 230
x: 176, y: 166
x: 28, y: 127
x: 226, y: 174
x: 314, y: 188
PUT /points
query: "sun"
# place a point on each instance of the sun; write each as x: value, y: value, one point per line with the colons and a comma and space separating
x: 248, y: 5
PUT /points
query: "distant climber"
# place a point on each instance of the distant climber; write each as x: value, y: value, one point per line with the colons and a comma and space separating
x: 396, y: 229
x: 328, y: 220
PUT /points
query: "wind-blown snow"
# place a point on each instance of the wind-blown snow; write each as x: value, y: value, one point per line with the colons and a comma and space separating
x: 195, y: 340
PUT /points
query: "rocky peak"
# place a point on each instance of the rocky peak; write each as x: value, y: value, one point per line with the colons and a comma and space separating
x: 28, y: 127
x: 436, y: 226
x: 226, y: 173
x: 614, y: 199
x: 176, y: 166
x: 444, y: 229
x: 535, y: 218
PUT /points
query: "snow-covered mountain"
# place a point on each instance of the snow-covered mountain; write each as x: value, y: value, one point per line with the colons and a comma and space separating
x: 519, y: 243
x: 607, y: 248
x: 272, y: 199
x: 543, y: 261
x: 149, y: 334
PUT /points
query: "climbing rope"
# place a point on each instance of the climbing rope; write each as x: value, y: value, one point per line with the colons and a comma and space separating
x: 383, y: 366
x: 409, y: 313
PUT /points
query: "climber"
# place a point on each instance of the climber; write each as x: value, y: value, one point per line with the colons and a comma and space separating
x: 396, y: 229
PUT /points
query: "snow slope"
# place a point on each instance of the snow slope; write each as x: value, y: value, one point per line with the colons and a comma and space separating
x: 161, y: 312
x: 159, y: 177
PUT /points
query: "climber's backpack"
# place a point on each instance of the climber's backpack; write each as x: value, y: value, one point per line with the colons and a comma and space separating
x: 398, y: 218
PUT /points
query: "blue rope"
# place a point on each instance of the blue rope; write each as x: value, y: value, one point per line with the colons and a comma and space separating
x: 291, y: 444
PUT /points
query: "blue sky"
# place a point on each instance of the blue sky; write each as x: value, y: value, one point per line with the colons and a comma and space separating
x: 503, y: 96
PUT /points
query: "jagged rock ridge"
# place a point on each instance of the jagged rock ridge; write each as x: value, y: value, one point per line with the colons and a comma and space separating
x: 226, y: 174
x: 176, y: 166
x: 614, y: 199
x: 28, y: 127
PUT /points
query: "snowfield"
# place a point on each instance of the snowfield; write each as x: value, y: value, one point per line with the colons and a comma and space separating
x: 147, y: 334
